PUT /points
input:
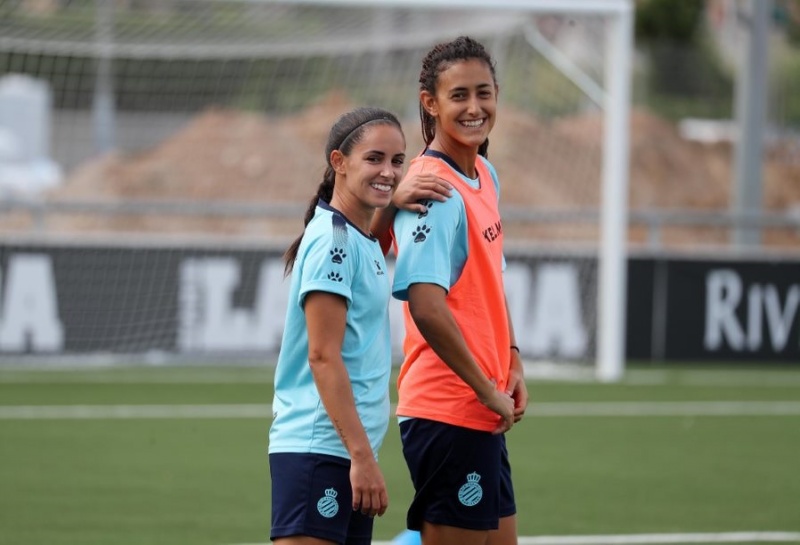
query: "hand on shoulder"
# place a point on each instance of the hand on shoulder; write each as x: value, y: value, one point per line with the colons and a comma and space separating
x: 419, y: 187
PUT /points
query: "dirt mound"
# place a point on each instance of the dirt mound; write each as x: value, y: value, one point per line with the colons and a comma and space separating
x: 226, y: 155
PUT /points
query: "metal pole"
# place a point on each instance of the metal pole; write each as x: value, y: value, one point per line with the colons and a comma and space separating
x: 751, y: 100
x: 103, y: 99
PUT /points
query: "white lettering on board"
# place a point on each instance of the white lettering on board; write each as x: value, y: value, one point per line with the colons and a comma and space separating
x: 546, y: 308
x: 726, y: 293
x: 29, y: 309
x: 208, y: 319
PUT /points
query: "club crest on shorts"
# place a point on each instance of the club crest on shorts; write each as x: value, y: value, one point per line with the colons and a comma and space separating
x: 470, y: 492
x: 327, y: 505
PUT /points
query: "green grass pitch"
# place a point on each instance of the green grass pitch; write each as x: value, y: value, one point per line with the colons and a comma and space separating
x: 666, y: 451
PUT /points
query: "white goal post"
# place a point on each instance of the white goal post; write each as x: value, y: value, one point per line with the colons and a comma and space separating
x: 615, y: 101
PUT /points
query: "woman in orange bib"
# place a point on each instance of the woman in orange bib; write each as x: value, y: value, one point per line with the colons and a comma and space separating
x: 461, y: 385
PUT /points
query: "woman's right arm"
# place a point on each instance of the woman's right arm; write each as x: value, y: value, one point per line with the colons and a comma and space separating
x: 432, y: 316
x: 326, y: 315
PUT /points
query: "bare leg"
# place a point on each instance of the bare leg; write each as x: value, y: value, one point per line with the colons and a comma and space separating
x: 301, y: 540
x: 506, y: 533
x: 439, y: 534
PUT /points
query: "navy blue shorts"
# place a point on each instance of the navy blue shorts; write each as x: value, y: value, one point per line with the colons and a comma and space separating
x: 312, y: 496
x: 462, y: 477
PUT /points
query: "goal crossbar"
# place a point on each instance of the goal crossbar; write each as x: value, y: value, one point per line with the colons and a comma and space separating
x: 540, y: 6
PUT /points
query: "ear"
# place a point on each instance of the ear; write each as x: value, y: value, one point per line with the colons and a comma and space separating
x: 428, y: 102
x: 337, y: 161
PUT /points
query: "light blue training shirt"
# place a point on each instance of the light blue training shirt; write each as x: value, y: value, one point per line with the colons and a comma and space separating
x: 336, y: 257
x: 444, y: 228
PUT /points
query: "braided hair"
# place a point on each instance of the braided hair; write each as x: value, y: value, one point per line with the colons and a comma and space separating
x: 439, y: 59
x: 345, y: 133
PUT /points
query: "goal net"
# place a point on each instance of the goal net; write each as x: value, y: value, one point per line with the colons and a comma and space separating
x: 187, y: 136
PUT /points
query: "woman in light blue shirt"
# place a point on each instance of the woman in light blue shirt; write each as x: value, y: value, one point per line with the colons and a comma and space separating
x: 331, y: 404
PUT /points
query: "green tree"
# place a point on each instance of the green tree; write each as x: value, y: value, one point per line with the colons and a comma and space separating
x: 787, y: 14
x: 668, y: 20
x: 685, y: 76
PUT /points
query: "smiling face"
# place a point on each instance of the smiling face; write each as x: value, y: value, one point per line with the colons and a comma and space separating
x: 464, y: 105
x: 367, y: 176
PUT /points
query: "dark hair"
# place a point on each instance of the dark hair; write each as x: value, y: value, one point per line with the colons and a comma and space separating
x: 439, y: 59
x: 345, y: 133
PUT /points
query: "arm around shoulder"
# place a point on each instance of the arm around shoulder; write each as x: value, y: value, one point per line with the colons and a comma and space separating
x: 410, y: 195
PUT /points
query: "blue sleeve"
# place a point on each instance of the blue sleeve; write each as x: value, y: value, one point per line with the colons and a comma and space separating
x: 328, y: 264
x: 431, y: 247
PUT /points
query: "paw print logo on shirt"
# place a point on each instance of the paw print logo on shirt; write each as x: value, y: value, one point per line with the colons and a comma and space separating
x: 421, y: 233
x: 336, y: 277
x: 338, y: 255
x: 427, y: 204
